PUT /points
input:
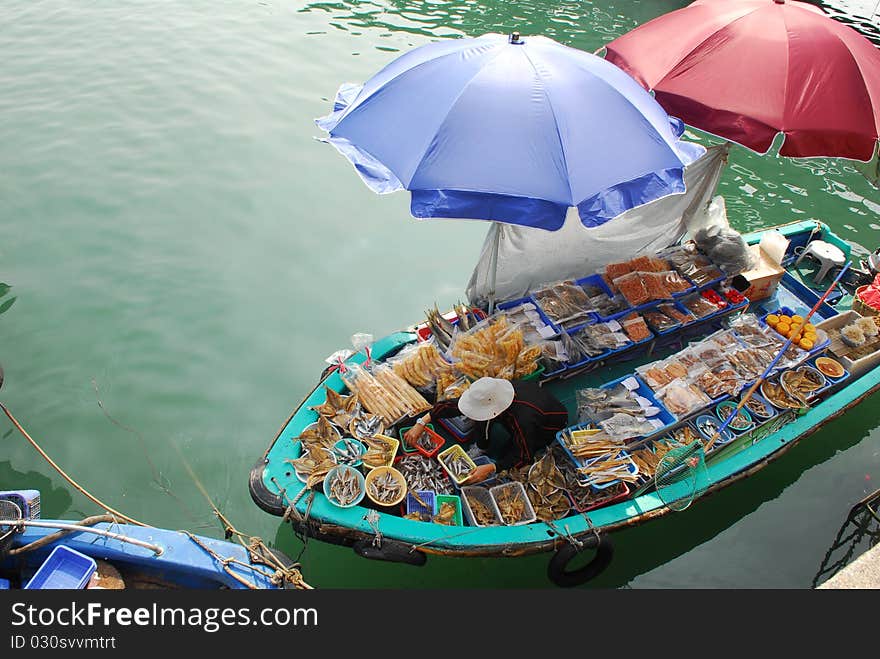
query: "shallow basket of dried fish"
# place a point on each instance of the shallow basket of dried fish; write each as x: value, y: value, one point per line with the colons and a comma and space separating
x: 588, y: 498
x: 513, y: 504
x: 479, y: 506
x: 456, y: 454
x: 445, y: 503
x: 344, y: 479
x: 375, y: 453
x: 385, y: 479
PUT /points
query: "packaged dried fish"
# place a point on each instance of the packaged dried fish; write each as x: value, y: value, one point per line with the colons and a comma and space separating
x: 626, y: 426
x: 671, y: 310
x: 659, y: 321
x: 635, y: 328
x: 682, y: 398
x: 632, y: 287
x: 608, y: 306
x: 698, y: 305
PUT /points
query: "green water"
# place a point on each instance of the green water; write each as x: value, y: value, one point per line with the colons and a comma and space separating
x: 174, y: 233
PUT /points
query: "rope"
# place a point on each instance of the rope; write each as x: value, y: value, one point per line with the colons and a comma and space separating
x: 254, y: 544
x: 292, y: 511
x: 372, y: 518
x: 162, y: 482
x: 64, y: 475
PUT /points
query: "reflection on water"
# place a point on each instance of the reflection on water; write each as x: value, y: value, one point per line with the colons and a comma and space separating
x: 574, y: 22
x: 861, y: 15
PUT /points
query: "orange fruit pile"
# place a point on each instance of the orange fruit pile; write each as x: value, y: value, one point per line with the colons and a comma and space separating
x: 793, y: 327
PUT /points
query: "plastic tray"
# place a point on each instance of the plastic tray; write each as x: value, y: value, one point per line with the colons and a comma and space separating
x: 458, y: 518
x: 598, y: 282
x: 787, y: 311
x: 481, y: 494
x: 528, y: 515
x: 406, y: 448
x: 410, y: 504
x: 528, y: 299
x: 830, y: 379
x: 64, y: 569
x: 709, y: 284
x: 395, y: 444
x: 436, y: 439
x: 646, y: 392
x: 600, y: 502
x: 453, y: 450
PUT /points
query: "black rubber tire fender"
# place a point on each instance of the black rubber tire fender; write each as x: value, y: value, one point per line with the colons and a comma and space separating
x: 559, y: 561
x: 391, y: 551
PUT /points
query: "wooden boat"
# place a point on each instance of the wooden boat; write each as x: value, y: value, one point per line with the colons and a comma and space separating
x: 139, y: 556
x: 276, y: 489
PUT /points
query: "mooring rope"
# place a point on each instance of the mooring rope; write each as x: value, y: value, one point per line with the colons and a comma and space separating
x: 255, y: 545
x: 64, y: 475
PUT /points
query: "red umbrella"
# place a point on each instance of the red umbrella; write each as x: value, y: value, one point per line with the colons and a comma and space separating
x: 748, y: 69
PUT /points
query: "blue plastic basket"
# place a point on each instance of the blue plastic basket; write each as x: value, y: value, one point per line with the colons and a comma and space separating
x: 760, y: 418
x: 830, y: 379
x: 413, y: 506
x: 788, y: 311
x: 64, y: 569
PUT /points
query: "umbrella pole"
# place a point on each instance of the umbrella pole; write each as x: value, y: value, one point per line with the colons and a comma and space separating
x: 493, y: 272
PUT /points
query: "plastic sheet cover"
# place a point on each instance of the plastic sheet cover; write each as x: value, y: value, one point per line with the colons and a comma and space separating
x: 529, y: 258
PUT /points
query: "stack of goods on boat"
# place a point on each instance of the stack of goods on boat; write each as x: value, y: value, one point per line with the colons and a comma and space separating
x: 620, y: 429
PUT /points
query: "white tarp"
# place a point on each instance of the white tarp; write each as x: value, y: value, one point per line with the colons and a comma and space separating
x: 528, y: 258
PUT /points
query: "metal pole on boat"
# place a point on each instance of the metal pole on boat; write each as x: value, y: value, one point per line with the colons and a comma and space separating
x: 493, y: 272
x: 156, y: 549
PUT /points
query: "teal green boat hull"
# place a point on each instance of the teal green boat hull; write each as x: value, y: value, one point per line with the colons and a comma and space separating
x: 275, y: 488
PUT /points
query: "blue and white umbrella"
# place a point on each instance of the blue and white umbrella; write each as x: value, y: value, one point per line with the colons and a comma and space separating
x: 509, y: 129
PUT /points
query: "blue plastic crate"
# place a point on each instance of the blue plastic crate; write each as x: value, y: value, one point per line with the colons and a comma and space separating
x: 831, y: 380
x: 5, y: 585
x: 64, y: 569
x: 455, y: 427
x: 788, y: 311
x: 413, y: 506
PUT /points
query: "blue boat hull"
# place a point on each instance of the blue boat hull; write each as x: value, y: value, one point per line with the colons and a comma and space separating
x: 183, y: 562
